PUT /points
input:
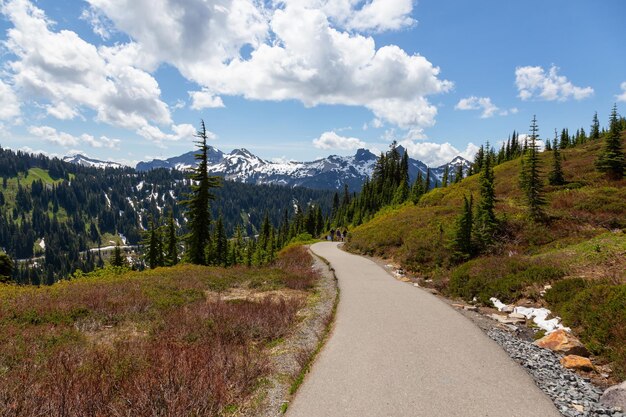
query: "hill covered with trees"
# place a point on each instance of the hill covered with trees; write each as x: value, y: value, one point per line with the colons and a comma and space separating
x: 524, y: 218
x: 57, y: 211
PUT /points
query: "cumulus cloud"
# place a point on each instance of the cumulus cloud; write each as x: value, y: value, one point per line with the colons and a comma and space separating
x: 100, y: 25
x: 437, y: 154
x: 478, y: 103
x: 204, y: 40
x: 622, y: 97
x: 9, y: 103
x: 50, y: 134
x: 374, y: 15
x: 536, y: 83
x: 331, y: 140
x: 484, y: 104
x: 182, y: 131
x: 205, y: 100
x: 67, y: 74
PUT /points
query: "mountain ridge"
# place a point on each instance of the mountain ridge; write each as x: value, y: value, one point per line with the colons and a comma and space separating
x: 331, y: 172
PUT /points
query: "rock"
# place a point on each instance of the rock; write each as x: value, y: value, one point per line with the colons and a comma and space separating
x: 577, y: 362
x: 507, y: 309
x: 615, y: 396
x: 457, y: 305
x: 470, y: 308
x: 506, y: 320
x: 578, y: 408
x: 562, y: 342
x: 517, y: 316
x: 433, y: 291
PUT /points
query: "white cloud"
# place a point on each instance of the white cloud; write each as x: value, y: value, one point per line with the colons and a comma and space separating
x: 622, y: 97
x: 437, y: 154
x: 67, y: 74
x: 50, y: 134
x: 100, y: 25
x: 204, y: 42
x: 478, y: 103
x: 61, y: 111
x: 534, y: 82
x: 9, y: 103
x: 374, y: 15
x: 331, y: 140
x: 102, y: 142
x: 182, y: 131
x: 485, y: 105
x: 205, y: 100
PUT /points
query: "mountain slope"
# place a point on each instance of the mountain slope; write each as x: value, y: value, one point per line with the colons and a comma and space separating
x: 580, y: 250
x: 85, y: 161
x: 328, y: 173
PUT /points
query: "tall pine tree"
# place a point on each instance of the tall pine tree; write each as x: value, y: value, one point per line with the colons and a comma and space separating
x: 463, y: 234
x: 485, y: 221
x: 611, y: 159
x: 556, y: 175
x: 197, y: 204
x: 171, y: 246
x: 595, y: 128
x: 530, y: 179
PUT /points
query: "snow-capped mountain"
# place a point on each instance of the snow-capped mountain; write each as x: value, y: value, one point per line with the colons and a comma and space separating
x: 83, y: 160
x: 452, y: 167
x: 182, y: 163
x: 331, y: 172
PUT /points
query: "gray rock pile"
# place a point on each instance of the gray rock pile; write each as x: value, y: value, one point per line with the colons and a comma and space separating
x: 573, y: 396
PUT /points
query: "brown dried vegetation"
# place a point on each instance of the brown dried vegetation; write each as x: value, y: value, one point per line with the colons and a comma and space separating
x: 145, y: 344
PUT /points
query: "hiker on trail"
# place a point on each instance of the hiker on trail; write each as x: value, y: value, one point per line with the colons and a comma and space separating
x: 332, y: 234
x: 344, y: 235
x: 339, y: 235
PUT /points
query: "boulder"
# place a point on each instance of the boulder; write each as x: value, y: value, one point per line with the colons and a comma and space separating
x: 615, y: 396
x: 562, y: 342
x: 577, y: 362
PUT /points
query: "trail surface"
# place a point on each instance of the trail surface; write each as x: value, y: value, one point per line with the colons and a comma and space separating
x: 397, y: 350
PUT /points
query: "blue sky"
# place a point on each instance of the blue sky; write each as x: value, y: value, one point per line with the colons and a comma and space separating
x: 129, y: 80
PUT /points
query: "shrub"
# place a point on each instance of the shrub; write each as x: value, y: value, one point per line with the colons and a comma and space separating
x: 564, y: 291
x: 598, y: 313
x: 505, y: 278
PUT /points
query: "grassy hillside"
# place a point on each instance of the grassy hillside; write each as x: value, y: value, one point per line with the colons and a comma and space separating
x: 186, y: 340
x: 584, y: 238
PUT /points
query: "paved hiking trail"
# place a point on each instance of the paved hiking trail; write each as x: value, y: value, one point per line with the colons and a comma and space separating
x: 397, y: 350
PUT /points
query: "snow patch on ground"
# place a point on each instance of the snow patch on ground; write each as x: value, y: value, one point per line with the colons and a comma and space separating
x: 539, y: 316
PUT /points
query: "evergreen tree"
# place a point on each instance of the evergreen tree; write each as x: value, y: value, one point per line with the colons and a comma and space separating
x: 458, y: 175
x: 117, y: 259
x: 446, y: 174
x: 611, y: 160
x: 463, y: 234
x: 556, y: 175
x: 155, y: 247
x: 6, y: 267
x: 418, y: 189
x: 530, y: 180
x: 171, y: 249
x: 485, y: 222
x: 220, y: 255
x: 594, y: 133
x: 198, y: 203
